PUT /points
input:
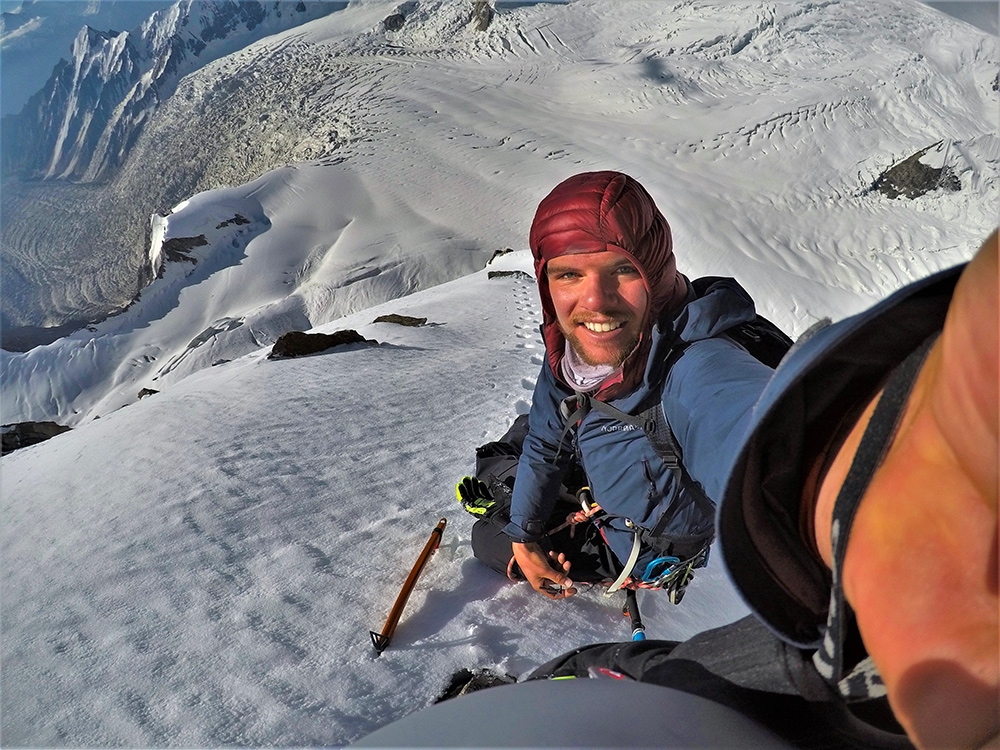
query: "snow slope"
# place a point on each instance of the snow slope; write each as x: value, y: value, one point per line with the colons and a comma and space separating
x: 202, y: 567
x: 759, y: 128
x: 299, y: 245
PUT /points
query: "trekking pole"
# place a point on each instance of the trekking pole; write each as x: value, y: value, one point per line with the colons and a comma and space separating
x: 381, y: 640
x: 632, y: 611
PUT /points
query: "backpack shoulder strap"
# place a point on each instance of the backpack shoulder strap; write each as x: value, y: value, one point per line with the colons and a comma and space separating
x: 653, y: 422
x: 661, y: 437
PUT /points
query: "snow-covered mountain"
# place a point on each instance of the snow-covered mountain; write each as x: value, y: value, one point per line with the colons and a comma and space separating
x: 88, y: 115
x: 202, y: 567
x: 762, y: 129
x: 36, y: 34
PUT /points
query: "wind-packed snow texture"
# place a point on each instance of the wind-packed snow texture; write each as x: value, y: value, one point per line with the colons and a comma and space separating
x: 760, y: 129
x: 202, y: 567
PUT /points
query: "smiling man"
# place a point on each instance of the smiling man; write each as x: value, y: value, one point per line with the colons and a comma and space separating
x: 622, y: 328
x: 600, y: 302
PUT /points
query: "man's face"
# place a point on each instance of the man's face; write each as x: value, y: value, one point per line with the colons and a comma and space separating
x: 600, y: 303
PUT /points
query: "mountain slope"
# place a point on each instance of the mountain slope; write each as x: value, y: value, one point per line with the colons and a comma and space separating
x: 760, y: 129
x: 36, y: 34
x: 201, y: 567
x: 83, y: 122
x: 219, y: 587
x: 845, y: 108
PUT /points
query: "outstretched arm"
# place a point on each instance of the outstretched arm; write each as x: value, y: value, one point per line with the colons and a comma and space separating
x: 921, y: 569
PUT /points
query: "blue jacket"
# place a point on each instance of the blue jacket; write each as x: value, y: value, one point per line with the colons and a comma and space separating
x: 706, y: 398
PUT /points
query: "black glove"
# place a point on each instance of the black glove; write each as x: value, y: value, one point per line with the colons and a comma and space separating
x: 474, y: 496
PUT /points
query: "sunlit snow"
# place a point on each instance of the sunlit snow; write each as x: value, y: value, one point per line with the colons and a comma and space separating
x: 202, y: 567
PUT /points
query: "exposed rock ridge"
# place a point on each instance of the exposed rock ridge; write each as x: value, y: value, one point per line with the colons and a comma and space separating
x: 81, y: 125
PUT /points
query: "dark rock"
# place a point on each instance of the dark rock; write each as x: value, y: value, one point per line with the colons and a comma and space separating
x: 466, y: 681
x: 301, y: 344
x: 402, y: 320
x: 996, y: 83
x: 499, y: 254
x: 179, y: 248
x: 394, y: 22
x: 911, y: 178
x: 509, y: 275
x: 482, y: 14
x: 238, y: 220
x: 23, y: 434
x: 147, y: 392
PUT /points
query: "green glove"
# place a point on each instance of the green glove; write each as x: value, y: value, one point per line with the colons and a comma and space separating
x: 474, y: 496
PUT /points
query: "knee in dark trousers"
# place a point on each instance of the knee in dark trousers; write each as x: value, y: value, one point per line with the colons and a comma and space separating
x: 491, y: 546
x: 590, y: 559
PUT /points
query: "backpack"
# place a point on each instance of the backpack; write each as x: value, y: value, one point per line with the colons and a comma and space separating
x: 765, y: 342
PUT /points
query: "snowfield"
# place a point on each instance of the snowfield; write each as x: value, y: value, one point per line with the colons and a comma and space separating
x: 202, y: 567
x: 761, y: 140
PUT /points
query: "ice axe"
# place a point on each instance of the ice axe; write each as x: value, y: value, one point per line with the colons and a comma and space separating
x: 381, y: 640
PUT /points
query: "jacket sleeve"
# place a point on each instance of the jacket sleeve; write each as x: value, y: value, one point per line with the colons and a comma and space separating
x: 539, y: 471
x: 708, y: 400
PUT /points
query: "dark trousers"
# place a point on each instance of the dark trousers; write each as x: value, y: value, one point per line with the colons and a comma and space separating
x: 591, y: 561
x: 744, y: 666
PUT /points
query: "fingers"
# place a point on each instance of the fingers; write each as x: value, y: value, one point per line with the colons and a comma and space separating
x: 553, y: 591
x: 559, y: 561
x: 546, y: 573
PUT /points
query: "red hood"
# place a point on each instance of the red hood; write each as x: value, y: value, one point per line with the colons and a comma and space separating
x: 597, y: 211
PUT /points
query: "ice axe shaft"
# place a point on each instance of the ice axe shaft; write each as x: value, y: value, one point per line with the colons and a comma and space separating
x: 381, y: 640
x: 632, y: 611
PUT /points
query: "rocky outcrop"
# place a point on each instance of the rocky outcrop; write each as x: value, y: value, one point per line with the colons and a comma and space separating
x: 23, y: 434
x: 82, y: 124
x: 499, y: 254
x: 301, y: 344
x: 401, y: 320
x: 912, y: 177
x: 396, y: 20
x: 178, y: 249
x: 482, y: 14
x: 509, y: 275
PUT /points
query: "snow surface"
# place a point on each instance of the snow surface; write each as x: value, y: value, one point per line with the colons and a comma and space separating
x: 202, y: 567
x: 758, y: 128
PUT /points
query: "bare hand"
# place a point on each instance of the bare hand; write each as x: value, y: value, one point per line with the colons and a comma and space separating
x: 545, y: 572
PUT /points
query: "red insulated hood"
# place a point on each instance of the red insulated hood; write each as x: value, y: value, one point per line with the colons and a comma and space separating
x: 596, y: 211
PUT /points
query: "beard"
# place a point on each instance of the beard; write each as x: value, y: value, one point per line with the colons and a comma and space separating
x: 612, y: 354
